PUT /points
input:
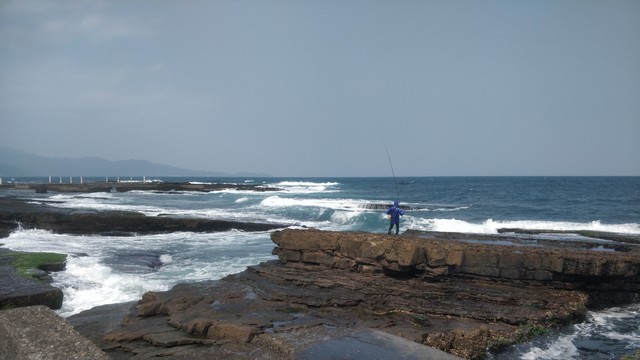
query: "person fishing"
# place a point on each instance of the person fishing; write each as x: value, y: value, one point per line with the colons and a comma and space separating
x: 394, y: 213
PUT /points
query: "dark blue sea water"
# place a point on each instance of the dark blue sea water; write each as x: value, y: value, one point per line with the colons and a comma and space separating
x: 112, y: 272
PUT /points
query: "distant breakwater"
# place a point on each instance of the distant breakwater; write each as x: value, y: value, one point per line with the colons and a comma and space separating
x: 108, y: 186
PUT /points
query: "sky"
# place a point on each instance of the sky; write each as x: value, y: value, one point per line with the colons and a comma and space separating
x: 318, y: 88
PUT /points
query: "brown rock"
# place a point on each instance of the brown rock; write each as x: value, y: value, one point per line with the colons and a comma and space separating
x: 232, y: 331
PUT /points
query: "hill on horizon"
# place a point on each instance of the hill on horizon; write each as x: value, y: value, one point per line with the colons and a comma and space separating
x: 17, y: 163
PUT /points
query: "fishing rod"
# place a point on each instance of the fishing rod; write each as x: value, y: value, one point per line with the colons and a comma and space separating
x: 392, y: 172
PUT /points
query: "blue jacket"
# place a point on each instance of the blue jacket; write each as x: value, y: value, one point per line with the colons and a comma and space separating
x: 395, y: 213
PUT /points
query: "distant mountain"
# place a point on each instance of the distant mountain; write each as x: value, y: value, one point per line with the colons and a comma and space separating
x: 16, y: 163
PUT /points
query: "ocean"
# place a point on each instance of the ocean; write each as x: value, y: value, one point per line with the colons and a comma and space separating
x: 104, y: 270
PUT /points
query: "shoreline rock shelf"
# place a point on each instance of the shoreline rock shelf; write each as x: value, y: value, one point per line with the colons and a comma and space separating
x: 327, y: 287
x: 15, y: 212
x: 609, y: 278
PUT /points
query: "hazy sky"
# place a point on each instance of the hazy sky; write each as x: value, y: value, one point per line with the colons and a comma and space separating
x: 315, y: 88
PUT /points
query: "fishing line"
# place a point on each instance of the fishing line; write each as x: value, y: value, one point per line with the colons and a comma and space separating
x: 392, y: 172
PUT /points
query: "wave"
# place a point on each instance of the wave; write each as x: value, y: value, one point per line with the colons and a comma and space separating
x: 353, y: 204
x: 100, y: 272
x: 87, y: 283
x: 491, y: 226
x: 306, y: 187
x: 336, y: 204
x: 608, y: 334
x: 306, y: 183
x: 102, y: 203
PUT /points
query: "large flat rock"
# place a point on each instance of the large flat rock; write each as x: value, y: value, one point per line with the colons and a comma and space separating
x: 609, y: 277
x: 36, y: 332
x: 371, y: 344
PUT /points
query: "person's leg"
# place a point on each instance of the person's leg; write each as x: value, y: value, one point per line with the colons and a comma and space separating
x: 397, y: 227
x: 390, y: 227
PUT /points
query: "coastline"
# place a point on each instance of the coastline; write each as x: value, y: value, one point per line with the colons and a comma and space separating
x: 334, y: 271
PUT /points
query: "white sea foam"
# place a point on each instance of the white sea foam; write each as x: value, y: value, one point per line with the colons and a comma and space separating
x: 97, y: 275
x: 241, y: 200
x: 491, y: 226
x: 337, y: 204
x: 618, y: 324
x: 562, y: 348
x: 240, y: 192
x: 87, y: 283
x: 345, y: 217
x: 166, y: 259
x: 102, y: 202
x: 307, y: 187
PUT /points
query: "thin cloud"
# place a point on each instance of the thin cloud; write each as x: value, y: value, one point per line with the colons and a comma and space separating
x: 98, y: 27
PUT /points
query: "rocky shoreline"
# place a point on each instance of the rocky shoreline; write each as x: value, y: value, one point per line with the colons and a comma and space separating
x: 421, y: 295
x: 326, y: 287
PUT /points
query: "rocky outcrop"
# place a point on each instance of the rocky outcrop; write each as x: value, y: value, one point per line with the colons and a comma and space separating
x: 608, y: 277
x: 331, y: 288
x: 30, y: 286
x: 16, y: 212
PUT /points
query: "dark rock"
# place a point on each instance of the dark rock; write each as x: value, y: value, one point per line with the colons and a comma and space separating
x: 135, y: 261
x: 26, y: 287
x: 14, y: 212
x: 19, y: 291
x: 40, y: 275
x: 56, y: 266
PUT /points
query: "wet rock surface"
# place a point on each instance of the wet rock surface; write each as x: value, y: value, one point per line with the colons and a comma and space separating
x: 15, y: 212
x: 331, y: 293
x: 30, y: 288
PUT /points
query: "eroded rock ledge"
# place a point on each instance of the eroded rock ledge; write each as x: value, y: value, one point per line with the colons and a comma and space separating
x: 329, y: 287
x: 607, y: 277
